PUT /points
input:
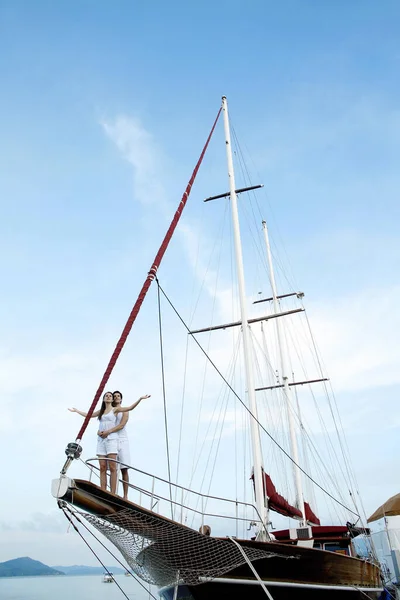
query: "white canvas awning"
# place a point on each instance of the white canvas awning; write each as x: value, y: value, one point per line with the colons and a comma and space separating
x: 390, y: 508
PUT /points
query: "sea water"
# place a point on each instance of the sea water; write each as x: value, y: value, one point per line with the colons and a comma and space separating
x: 68, y: 587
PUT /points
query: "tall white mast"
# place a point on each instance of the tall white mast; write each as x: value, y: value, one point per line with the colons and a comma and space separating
x: 254, y: 427
x: 285, y: 380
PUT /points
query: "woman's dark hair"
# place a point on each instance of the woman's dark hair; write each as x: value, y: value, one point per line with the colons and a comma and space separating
x: 103, y: 406
x: 117, y: 392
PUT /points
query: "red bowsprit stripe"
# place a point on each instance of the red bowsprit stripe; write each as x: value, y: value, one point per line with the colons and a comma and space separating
x: 142, y: 294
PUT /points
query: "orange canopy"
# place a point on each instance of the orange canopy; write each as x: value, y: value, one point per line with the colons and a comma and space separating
x: 390, y: 508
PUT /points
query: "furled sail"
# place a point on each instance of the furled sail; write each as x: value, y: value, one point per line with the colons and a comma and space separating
x: 276, y: 502
x: 310, y: 515
x: 279, y: 504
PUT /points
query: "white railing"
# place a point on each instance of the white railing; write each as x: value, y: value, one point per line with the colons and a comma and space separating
x: 225, y: 517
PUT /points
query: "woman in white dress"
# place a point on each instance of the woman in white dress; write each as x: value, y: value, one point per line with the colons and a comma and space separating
x: 107, y: 440
x: 122, y: 416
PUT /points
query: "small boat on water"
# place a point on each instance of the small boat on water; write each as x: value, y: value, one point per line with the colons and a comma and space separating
x: 108, y: 578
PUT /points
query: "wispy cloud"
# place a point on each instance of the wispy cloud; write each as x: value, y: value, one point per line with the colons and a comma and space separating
x: 138, y: 146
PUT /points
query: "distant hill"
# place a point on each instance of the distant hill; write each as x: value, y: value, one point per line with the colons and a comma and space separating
x: 20, y: 567
x: 84, y: 570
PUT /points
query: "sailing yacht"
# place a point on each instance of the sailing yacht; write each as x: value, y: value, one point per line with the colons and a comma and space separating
x: 196, y: 546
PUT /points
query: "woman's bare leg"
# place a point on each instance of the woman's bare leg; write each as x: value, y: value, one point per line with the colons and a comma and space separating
x: 125, y: 482
x: 113, y: 472
x: 103, y: 472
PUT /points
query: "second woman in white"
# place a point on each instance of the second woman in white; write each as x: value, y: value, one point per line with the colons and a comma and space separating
x: 122, y: 416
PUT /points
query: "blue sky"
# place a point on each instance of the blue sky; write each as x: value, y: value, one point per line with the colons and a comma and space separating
x: 103, y: 112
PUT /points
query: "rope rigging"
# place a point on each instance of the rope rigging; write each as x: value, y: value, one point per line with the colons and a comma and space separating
x: 63, y: 506
x: 150, y: 277
x: 164, y: 394
x: 246, y: 178
x: 346, y: 472
x: 251, y: 414
x: 214, y: 294
x: 94, y: 553
x: 306, y: 434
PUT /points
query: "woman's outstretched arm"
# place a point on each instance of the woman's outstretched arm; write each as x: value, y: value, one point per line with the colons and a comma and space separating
x: 132, y: 406
x: 84, y: 414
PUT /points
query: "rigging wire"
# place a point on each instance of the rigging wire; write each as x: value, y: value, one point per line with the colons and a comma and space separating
x: 164, y: 395
x: 64, y: 508
x: 235, y: 377
x: 195, y: 304
x: 214, y: 295
x: 207, y: 268
x: 246, y: 178
x: 222, y: 425
x: 306, y: 461
x: 274, y: 415
x: 96, y: 555
x: 251, y: 414
x: 294, y: 412
x: 221, y: 418
x: 350, y: 474
x: 236, y: 451
x: 322, y: 423
x: 182, y: 409
x: 195, y: 264
x: 234, y: 359
x: 293, y: 283
x: 330, y: 445
x: 252, y: 223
